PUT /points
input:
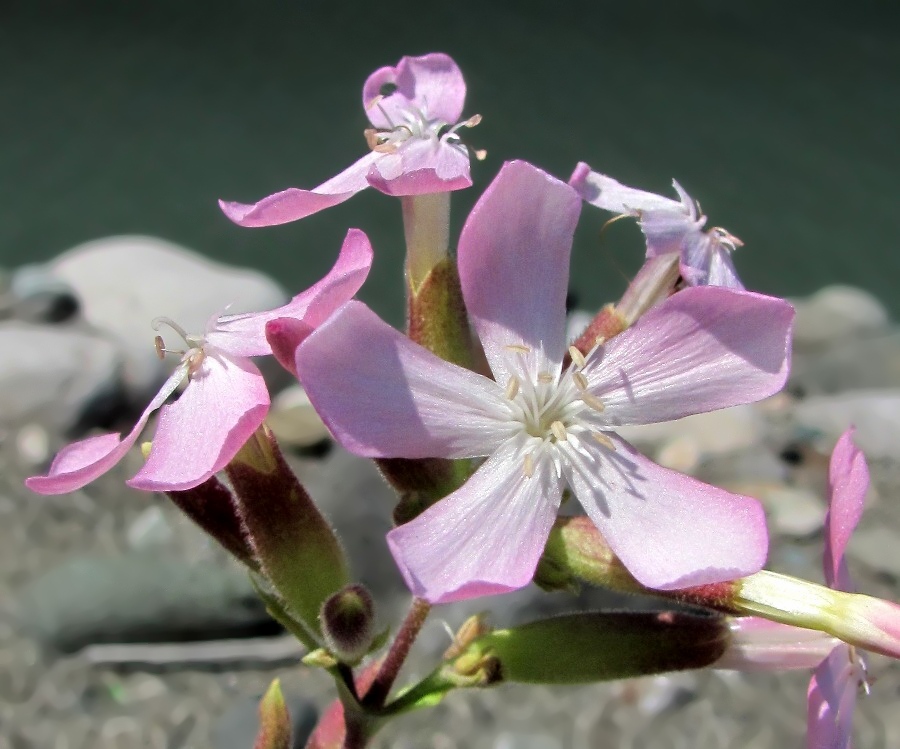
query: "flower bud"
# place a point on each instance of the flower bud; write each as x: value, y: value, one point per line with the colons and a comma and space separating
x: 348, y: 623
x: 274, y: 720
x: 298, y: 552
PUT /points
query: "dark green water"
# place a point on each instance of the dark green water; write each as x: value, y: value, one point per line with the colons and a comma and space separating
x: 782, y: 119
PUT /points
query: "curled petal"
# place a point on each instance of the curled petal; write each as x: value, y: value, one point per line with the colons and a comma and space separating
x: 293, y: 204
x: 224, y: 403
x: 245, y: 335
x: 421, y: 166
x: 514, y: 263
x: 669, y: 530
x: 848, y: 479
x: 382, y: 395
x: 702, y: 349
x: 722, y: 271
x: 486, y: 537
x: 831, y: 700
x: 611, y: 195
x: 284, y: 336
x: 432, y: 83
x: 81, y: 462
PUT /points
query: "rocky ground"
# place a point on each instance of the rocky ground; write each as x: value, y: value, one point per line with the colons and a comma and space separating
x: 121, y: 626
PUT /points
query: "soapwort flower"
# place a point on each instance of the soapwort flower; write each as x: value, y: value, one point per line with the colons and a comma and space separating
x: 668, y: 225
x: 543, y: 426
x: 414, y: 110
x: 225, y: 399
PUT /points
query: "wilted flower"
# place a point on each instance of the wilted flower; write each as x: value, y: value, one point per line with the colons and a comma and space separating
x: 668, y: 226
x: 543, y: 426
x: 415, y: 147
x: 225, y: 399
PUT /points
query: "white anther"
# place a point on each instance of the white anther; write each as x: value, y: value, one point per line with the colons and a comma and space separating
x: 545, y: 377
x: 512, y: 387
x: 559, y: 431
x: 517, y: 348
x: 592, y: 401
x: 602, y: 439
x: 580, y: 381
x: 577, y: 357
x: 528, y: 466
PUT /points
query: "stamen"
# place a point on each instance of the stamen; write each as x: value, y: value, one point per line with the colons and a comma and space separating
x: 480, y: 154
x: 580, y: 381
x: 559, y: 431
x: 604, y: 440
x: 528, y: 466
x: 160, y: 346
x: 577, y: 357
x: 512, y: 387
x: 157, y: 322
x: 545, y: 377
x: 592, y: 401
x: 517, y: 348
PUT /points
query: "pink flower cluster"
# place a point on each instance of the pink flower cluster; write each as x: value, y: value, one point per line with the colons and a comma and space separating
x: 542, y: 419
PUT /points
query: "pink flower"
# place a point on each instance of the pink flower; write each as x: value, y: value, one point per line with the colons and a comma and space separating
x: 836, y: 682
x: 414, y: 109
x: 543, y: 426
x: 668, y: 226
x: 225, y: 400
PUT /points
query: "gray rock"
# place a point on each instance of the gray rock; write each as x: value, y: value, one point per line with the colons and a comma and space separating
x: 837, y: 313
x: 140, y: 598
x: 874, y: 413
x: 238, y: 726
x: 794, y: 511
x: 55, y: 376
x: 879, y: 548
x: 124, y: 282
x: 36, y: 295
x: 851, y: 364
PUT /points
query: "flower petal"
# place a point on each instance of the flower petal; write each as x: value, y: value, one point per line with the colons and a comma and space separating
x: 81, y: 462
x: 200, y: 433
x: 671, y: 531
x: 514, y: 263
x: 611, y: 195
x: 382, y: 395
x: 432, y: 83
x: 831, y: 700
x: 293, y: 204
x: 667, y: 231
x: 245, y: 335
x: 703, y: 348
x: 284, y: 336
x: 722, y: 271
x: 421, y: 166
x: 758, y: 644
x: 486, y: 537
x: 848, y: 479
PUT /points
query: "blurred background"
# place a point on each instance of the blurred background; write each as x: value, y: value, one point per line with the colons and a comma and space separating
x: 781, y: 118
x: 121, y: 625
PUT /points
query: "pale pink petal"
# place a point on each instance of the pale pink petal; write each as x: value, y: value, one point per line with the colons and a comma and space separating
x: 245, y: 335
x: 670, y: 531
x: 758, y: 644
x: 432, y: 83
x: 197, y: 435
x: 293, y: 204
x: 484, y: 538
x: 611, y: 195
x: 514, y: 263
x: 82, y: 462
x: 666, y: 231
x: 848, y: 478
x: 421, y: 166
x: 722, y: 271
x: 703, y: 348
x: 831, y: 700
x: 382, y: 395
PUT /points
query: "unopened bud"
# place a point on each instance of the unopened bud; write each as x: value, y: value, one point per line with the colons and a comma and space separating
x: 274, y: 720
x: 348, y: 623
x: 472, y: 628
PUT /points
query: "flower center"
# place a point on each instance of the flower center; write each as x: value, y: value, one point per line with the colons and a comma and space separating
x: 192, y: 356
x: 550, y: 410
x: 416, y: 124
